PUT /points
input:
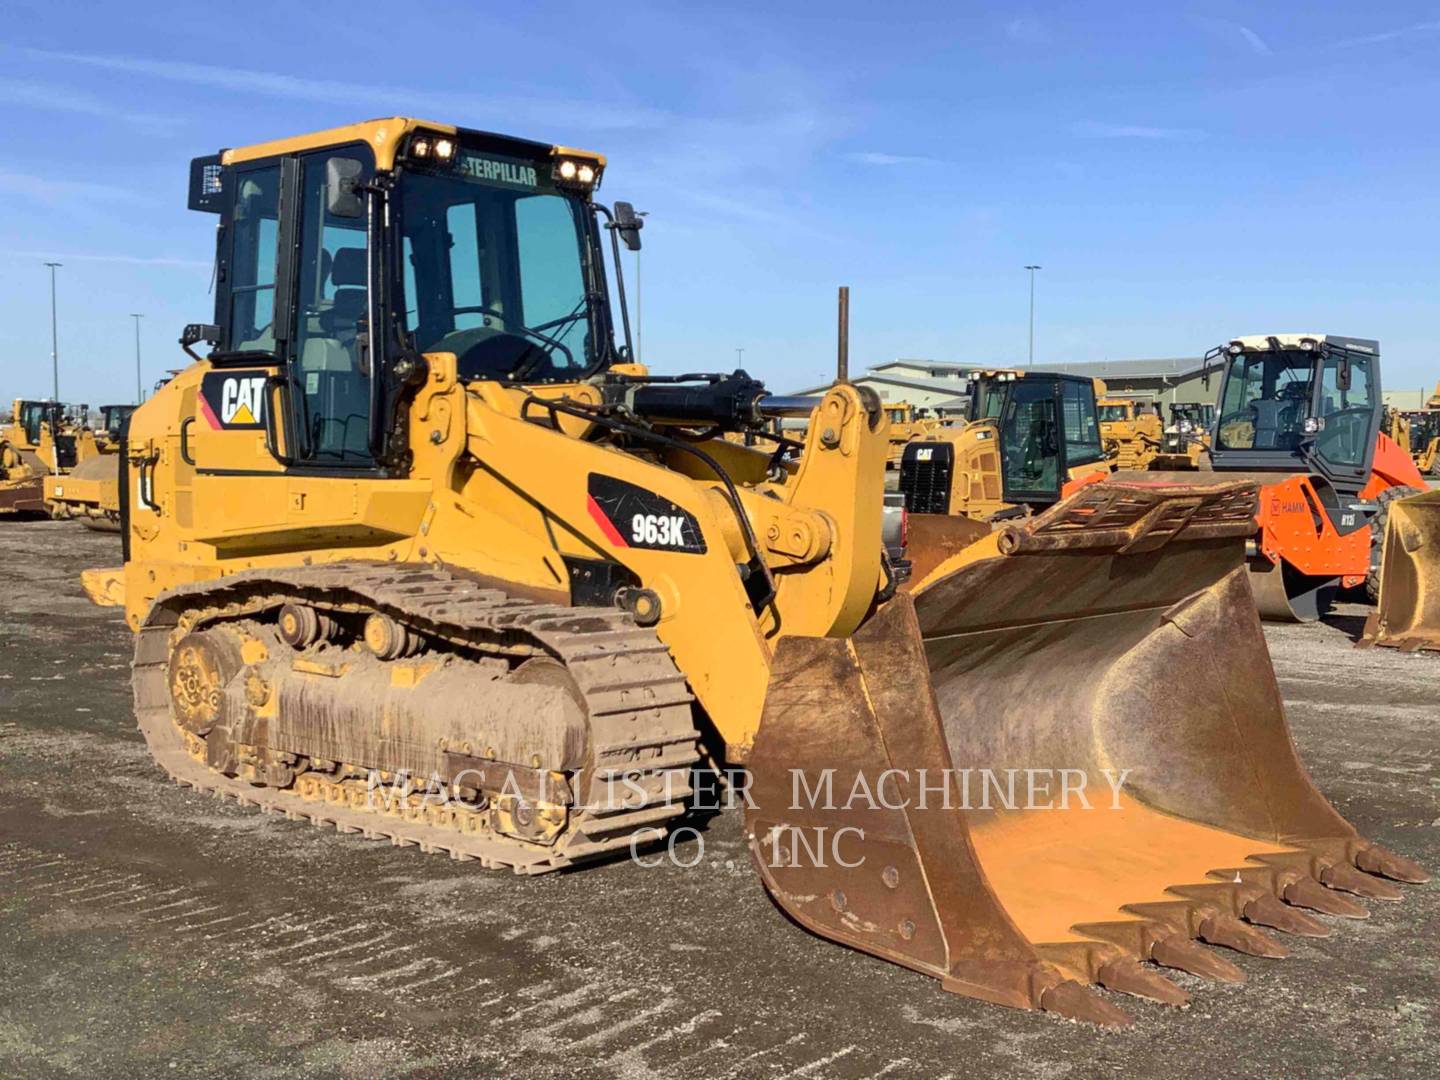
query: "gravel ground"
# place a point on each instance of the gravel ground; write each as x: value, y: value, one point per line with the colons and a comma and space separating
x: 146, y: 930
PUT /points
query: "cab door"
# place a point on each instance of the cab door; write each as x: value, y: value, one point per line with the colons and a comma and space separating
x: 278, y: 442
x: 1030, y: 442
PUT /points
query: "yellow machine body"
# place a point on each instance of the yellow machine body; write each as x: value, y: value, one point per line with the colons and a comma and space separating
x: 1131, y: 431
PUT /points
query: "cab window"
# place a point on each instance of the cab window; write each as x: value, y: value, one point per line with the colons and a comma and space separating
x: 1346, y: 413
x: 1082, y: 429
x: 1265, y: 401
x: 255, y: 232
x: 1030, y: 441
x: 330, y: 355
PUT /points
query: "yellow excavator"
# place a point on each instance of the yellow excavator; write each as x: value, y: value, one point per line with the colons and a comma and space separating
x: 89, y: 493
x: 414, y: 550
x: 1131, y: 432
x: 42, y: 439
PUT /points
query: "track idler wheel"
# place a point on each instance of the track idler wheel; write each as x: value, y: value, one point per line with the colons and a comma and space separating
x: 388, y: 639
x: 301, y: 626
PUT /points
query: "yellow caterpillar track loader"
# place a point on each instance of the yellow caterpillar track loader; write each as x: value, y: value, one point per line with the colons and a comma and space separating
x: 41, y: 440
x: 1131, y: 432
x: 89, y: 493
x: 413, y: 550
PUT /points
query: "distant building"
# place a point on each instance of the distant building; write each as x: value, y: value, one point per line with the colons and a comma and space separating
x: 1406, y: 400
x: 943, y: 384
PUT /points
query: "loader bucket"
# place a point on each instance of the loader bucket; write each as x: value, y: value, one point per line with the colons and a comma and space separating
x: 1408, y: 615
x: 1059, y: 761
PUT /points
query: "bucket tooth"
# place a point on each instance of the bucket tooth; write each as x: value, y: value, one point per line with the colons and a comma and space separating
x: 1131, y: 977
x: 1346, y: 878
x: 1183, y: 954
x: 1309, y: 893
x: 1073, y: 1001
x: 1267, y: 911
x: 1375, y: 859
x: 1233, y: 934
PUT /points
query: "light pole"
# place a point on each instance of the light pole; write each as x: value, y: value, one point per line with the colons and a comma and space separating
x: 54, y: 333
x: 1032, y: 269
x: 139, y: 384
x: 639, y: 304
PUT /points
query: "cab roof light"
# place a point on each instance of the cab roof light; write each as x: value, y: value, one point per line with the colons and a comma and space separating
x: 433, y: 148
x: 569, y: 172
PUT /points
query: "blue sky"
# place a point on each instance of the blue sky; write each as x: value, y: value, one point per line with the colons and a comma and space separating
x: 1183, y: 173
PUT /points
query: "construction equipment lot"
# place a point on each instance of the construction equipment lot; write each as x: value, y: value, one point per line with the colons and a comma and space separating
x: 146, y: 928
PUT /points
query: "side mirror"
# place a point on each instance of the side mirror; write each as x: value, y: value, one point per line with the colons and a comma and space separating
x: 1342, y: 377
x: 629, y: 224
x: 342, y: 177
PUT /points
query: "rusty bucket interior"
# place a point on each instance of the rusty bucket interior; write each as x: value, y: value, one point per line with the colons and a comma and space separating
x: 1061, y: 763
x: 1408, y: 614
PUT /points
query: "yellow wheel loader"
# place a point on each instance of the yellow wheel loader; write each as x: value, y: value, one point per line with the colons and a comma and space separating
x: 415, y: 552
x: 89, y: 493
x: 1407, y: 614
x: 39, y: 441
x: 1130, y: 431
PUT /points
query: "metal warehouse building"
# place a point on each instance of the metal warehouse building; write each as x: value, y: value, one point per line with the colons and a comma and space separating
x: 943, y: 384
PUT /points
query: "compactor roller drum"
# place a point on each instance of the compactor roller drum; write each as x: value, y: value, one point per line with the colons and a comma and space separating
x: 461, y: 576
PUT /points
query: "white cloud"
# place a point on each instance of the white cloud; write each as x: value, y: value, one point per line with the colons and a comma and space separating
x: 53, y: 192
x: 1094, y: 129
x: 1024, y: 28
x: 95, y: 256
x: 873, y: 157
x: 1388, y: 35
x: 37, y: 95
x: 1257, y: 44
x: 531, y: 111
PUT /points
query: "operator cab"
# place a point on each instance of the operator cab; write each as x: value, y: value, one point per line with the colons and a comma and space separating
x: 1188, y: 416
x: 344, y: 256
x: 35, y: 413
x: 113, y: 419
x: 1299, y: 403
x: 51, y: 414
x: 1045, y: 425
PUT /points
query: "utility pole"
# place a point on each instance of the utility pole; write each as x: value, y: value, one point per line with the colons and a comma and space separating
x: 54, y: 334
x: 1032, y: 270
x: 139, y: 384
x: 740, y: 356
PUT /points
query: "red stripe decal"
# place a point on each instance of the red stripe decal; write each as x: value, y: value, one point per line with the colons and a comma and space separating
x: 606, y: 525
x: 209, y: 413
